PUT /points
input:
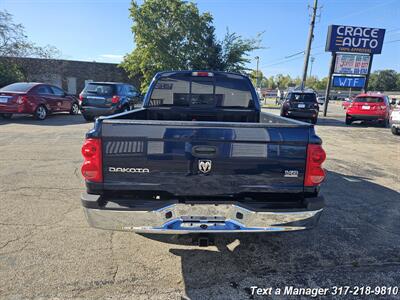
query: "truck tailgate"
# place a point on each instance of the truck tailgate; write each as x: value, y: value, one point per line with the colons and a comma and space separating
x: 203, y: 158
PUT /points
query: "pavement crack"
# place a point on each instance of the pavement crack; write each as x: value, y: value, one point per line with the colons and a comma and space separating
x: 115, y: 264
x: 15, y: 240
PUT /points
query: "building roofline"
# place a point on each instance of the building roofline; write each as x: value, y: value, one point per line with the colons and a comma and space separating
x: 56, y: 59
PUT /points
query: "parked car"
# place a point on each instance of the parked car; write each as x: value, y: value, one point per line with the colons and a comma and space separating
x: 37, y: 99
x: 346, y: 103
x: 321, y: 100
x: 201, y: 157
x: 369, y: 107
x: 107, y: 98
x: 395, y: 118
x: 301, y: 105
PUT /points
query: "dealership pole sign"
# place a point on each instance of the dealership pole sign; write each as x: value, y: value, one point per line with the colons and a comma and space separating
x: 354, y: 39
x: 348, y: 82
x: 353, y: 48
x: 354, y: 64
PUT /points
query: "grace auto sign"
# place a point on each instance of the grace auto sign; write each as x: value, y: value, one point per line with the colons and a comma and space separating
x: 354, y: 39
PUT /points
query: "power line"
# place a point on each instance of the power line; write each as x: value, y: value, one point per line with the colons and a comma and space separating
x: 292, y: 58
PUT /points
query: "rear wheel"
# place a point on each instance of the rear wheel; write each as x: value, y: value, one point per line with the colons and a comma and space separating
x: 74, y: 109
x: 40, y: 113
x: 88, y: 118
x: 395, y: 130
x: 6, y: 116
x: 348, y: 120
x: 314, y: 121
x: 385, y: 123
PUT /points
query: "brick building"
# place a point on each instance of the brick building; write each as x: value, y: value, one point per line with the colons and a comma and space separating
x: 70, y: 75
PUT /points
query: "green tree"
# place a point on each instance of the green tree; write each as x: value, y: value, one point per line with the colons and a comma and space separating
x: 271, y: 82
x: 398, y: 82
x: 9, y: 73
x: 383, y: 80
x: 256, y: 78
x: 15, y: 43
x: 174, y: 35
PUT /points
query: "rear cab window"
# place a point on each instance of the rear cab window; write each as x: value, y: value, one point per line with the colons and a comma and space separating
x: 228, y: 91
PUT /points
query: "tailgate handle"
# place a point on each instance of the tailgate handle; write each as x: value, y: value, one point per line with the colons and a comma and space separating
x: 204, y: 151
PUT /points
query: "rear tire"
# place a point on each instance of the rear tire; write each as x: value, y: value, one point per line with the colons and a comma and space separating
x: 88, y: 118
x: 314, y: 121
x: 74, y: 109
x: 40, y: 113
x: 348, y: 120
x: 6, y: 116
x: 395, y: 130
x: 385, y: 123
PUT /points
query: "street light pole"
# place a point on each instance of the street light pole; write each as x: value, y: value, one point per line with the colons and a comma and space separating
x: 258, y: 60
x: 312, y: 61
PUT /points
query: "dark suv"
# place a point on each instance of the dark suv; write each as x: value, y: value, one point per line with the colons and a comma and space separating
x: 107, y: 98
x: 300, y: 105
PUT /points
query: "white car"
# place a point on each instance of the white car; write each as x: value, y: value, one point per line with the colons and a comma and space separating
x: 321, y: 100
x: 395, y: 120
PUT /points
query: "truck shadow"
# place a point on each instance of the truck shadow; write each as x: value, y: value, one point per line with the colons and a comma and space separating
x: 358, y: 232
x: 334, y: 122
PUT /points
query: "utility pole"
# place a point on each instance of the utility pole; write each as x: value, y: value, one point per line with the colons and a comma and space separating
x: 309, y: 41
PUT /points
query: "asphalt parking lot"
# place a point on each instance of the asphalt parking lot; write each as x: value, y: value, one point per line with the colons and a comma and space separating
x: 47, y: 249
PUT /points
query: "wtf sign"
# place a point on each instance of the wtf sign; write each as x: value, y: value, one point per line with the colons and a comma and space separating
x: 349, y: 82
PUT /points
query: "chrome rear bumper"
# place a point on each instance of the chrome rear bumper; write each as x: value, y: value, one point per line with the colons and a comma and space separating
x: 180, y: 218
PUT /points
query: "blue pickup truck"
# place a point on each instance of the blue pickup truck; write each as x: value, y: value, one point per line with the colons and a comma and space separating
x: 201, y: 157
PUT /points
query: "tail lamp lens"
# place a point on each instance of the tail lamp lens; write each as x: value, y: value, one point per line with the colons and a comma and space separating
x: 22, y: 99
x: 315, y: 174
x: 80, y: 97
x: 115, y: 99
x: 92, y: 165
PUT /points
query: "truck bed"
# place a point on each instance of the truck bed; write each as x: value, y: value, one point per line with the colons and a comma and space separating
x: 158, y: 151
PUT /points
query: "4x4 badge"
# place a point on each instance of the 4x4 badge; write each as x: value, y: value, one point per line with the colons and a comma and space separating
x: 205, y: 166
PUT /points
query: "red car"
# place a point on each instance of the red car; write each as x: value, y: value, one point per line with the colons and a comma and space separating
x: 37, y: 99
x: 346, y: 103
x: 369, y: 107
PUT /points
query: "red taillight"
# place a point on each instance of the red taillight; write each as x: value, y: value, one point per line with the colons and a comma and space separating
x: 92, y: 164
x: 382, y: 107
x: 315, y: 174
x: 22, y: 99
x: 115, y: 99
x: 80, y: 97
